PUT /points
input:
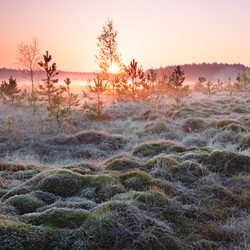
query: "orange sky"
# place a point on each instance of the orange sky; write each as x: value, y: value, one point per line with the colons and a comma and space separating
x: 154, y: 33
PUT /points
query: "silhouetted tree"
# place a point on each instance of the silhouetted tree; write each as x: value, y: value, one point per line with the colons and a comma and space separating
x: 108, y: 56
x: 9, y: 91
x: 176, y: 90
x: 48, y: 89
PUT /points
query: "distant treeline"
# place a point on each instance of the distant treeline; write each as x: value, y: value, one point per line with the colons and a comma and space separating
x: 212, y: 71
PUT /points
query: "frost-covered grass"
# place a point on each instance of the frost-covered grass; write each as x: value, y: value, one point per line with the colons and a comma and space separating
x: 147, y: 178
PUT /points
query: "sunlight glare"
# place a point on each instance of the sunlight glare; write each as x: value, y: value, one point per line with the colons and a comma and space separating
x: 114, y: 69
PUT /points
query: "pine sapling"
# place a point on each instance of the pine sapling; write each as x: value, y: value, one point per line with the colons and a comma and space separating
x: 56, y: 110
x: 94, y: 109
x: 51, y: 71
x: 71, y: 99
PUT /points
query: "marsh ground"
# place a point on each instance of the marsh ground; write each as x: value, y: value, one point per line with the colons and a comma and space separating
x: 149, y: 176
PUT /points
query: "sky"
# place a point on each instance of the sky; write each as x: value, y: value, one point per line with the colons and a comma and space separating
x: 155, y: 33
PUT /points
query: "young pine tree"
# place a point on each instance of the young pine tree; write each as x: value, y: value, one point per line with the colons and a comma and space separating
x: 176, y: 90
x: 9, y: 91
x: 48, y: 89
x: 139, y: 87
x: 71, y: 99
x: 209, y: 89
x: 94, y: 109
x: 56, y: 110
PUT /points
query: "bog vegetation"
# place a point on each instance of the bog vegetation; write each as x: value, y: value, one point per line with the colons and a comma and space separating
x: 137, y: 161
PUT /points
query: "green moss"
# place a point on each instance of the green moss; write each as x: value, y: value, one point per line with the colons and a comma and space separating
x: 58, y: 218
x: 157, y: 147
x: 25, y: 203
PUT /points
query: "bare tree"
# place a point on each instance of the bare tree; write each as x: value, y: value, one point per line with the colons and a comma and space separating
x: 28, y: 56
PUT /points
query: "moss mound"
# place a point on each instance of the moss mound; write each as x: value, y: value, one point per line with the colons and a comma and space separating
x: 115, y: 217
x: 58, y: 218
x: 236, y: 128
x: 25, y: 203
x: 82, y: 168
x: 104, y: 140
x: 220, y: 123
x: 156, y: 128
x: 157, y: 147
x: 194, y: 125
x: 121, y: 164
x: 228, y: 162
x: 159, y: 162
x: 60, y: 182
x: 135, y: 179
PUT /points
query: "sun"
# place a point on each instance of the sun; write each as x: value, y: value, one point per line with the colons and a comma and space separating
x: 114, y: 69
